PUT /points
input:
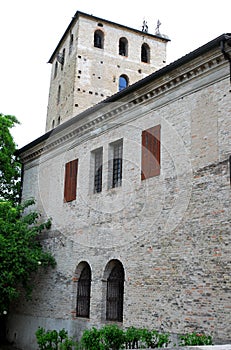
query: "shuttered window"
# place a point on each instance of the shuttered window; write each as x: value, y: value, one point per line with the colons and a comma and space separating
x: 115, y: 292
x: 83, y: 293
x: 71, y: 170
x: 150, y: 152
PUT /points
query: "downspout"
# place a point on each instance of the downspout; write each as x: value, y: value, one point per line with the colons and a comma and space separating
x: 227, y: 39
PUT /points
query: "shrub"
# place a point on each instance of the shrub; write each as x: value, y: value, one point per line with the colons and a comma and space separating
x: 53, y: 340
x: 195, y: 339
x: 91, y: 339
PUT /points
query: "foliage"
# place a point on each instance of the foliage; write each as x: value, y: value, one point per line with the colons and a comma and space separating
x: 112, y: 337
x: 9, y: 165
x: 195, y: 339
x: 21, y: 253
x: 91, y: 339
x: 49, y: 340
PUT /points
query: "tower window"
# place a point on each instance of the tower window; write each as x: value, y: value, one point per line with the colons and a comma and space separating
x: 59, y: 94
x: 63, y: 59
x: 145, y: 53
x: 98, y: 39
x: 123, y: 47
x: 71, y: 43
x: 56, y: 69
x: 123, y: 82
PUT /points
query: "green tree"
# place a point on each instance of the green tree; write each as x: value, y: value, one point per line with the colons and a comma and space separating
x: 9, y: 164
x: 21, y: 253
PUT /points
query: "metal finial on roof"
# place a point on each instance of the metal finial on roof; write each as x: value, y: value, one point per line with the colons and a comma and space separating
x: 145, y: 26
x: 157, y: 30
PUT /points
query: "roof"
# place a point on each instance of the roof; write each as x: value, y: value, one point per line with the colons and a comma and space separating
x: 215, y: 43
x: 83, y: 14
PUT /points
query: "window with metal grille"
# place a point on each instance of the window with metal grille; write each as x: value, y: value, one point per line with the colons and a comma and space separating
x: 98, y: 170
x: 83, y: 293
x: 150, y: 152
x: 117, y: 164
x: 115, y: 294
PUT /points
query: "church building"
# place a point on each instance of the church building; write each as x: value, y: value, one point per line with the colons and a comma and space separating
x: 134, y: 170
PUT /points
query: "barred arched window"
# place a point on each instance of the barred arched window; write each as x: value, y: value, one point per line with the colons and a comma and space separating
x: 115, y: 293
x: 98, y: 39
x: 83, y: 292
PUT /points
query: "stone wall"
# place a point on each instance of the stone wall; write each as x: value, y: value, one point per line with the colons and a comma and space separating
x: 171, y: 232
x: 90, y: 74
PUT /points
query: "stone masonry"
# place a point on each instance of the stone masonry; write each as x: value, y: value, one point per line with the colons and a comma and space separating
x: 90, y: 74
x: 171, y: 232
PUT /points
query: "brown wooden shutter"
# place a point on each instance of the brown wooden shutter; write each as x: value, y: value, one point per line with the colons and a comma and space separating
x: 71, y: 170
x: 150, y: 152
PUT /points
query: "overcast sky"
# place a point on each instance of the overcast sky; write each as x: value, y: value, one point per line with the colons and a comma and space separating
x: 30, y: 31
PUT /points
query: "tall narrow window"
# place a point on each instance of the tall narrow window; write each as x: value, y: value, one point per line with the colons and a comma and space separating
x: 145, y: 53
x: 83, y: 293
x: 123, y: 47
x: 70, y: 184
x: 56, y: 69
x: 71, y: 43
x: 150, y: 152
x: 116, y: 164
x: 98, y: 39
x: 123, y: 82
x: 98, y: 155
x: 63, y: 59
x: 115, y: 293
x: 59, y: 94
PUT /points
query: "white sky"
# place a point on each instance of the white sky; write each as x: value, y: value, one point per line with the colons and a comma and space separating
x: 30, y: 31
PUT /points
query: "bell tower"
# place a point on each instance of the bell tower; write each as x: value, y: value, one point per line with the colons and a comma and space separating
x: 96, y: 58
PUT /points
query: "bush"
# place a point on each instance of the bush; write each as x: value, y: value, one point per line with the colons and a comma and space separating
x: 114, y: 338
x: 195, y: 339
x: 53, y: 340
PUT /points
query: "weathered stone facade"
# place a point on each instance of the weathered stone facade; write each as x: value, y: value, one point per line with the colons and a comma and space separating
x: 89, y: 74
x: 171, y: 232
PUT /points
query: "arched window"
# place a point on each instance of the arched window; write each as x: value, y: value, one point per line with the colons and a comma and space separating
x: 56, y: 69
x: 123, y: 82
x: 115, y: 292
x: 59, y: 119
x: 53, y: 124
x: 98, y: 39
x: 145, y: 53
x: 123, y: 47
x: 83, y: 292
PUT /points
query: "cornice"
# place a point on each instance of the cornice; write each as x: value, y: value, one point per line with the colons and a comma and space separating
x: 111, y: 110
